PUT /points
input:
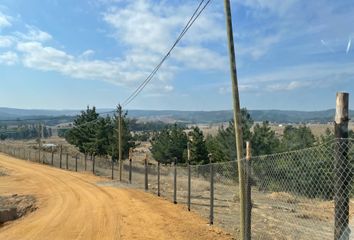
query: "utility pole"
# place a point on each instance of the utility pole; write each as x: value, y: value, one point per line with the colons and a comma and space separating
x: 119, y: 122
x: 237, y: 116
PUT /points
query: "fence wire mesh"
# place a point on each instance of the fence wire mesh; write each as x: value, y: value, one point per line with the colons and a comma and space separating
x: 304, y: 194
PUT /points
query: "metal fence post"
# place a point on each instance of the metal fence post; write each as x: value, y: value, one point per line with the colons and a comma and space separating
x: 52, y: 161
x: 175, y: 183
x: 67, y: 161
x: 112, y: 175
x: 130, y: 170
x: 93, y: 157
x: 146, y: 173
x: 85, y: 161
x: 61, y: 155
x: 211, y: 216
x: 76, y: 162
x: 158, y: 178
x: 39, y: 153
x: 343, y: 172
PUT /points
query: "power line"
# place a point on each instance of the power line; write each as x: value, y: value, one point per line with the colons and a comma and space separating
x: 191, y: 21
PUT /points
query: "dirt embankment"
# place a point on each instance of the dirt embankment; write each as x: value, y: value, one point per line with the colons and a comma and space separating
x: 15, y: 206
x: 72, y: 206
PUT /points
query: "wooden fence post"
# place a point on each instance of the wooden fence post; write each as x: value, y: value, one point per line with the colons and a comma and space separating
x: 85, y: 161
x: 61, y: 155
x: 343, y: 173
x: 67, y: 161
x: 112, y: 177
x: 130, y: 170
x: 93, y: 157
x: 39, y: 154
x: 158, y: 179
x: 189, y: 176
x: 146, y: 172
x: 76, y: 162
x: 130, y: 165
x: 248, y: 196
x: 211, y: 216
x: 175, y: 182
x: 52, y: 157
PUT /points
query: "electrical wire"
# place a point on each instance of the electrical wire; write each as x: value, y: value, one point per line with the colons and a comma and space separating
x: 191, y: 21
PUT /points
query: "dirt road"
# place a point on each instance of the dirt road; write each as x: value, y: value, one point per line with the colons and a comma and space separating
x: 72, y: 206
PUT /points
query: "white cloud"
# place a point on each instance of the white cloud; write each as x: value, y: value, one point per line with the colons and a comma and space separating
x: 35, y: 55
x: 168, y: 88
x: 5, y: 41
x: 120, y: 72
x: 140, y: 24
x: 287, y: 86
x: 34, y: 34
x: 260, y: 46
x: 8, y: 58
x: 5, y: 21
x: 275, y: 6
x: 200, y: 58
x: 88, y: 53
x: 151, y: 28
x: 226, y: 88
x: 302, y: 76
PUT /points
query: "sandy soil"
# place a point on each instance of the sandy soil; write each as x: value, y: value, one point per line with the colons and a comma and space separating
x: 72, y: 206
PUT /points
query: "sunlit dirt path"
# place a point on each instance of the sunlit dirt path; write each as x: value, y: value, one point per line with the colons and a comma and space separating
x: 72, y: 206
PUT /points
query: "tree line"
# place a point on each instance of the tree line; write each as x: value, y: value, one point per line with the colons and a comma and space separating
x: 97, y: 135
x: 172, y: 141
x: 309, y: 172
x: 24, y: 131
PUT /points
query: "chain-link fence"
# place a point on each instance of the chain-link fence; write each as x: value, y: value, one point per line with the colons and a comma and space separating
x: 304, y: 194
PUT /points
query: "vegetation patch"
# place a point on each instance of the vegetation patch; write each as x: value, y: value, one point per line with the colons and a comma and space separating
x: 3, y: 172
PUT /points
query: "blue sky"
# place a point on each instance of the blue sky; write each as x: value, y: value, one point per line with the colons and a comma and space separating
x: 64, y: 54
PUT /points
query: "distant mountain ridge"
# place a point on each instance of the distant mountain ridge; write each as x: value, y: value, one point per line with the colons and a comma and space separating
x: 277, y: 116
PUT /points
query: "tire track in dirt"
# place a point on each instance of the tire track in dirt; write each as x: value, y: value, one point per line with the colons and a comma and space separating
x: 72, y: 206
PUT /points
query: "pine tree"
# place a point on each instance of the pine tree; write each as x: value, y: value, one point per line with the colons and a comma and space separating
x: 169, y: 144
x: 264, y: 141
x: 198, y: 148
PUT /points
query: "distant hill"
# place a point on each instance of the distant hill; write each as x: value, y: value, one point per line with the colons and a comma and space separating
x: 277, y: 116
